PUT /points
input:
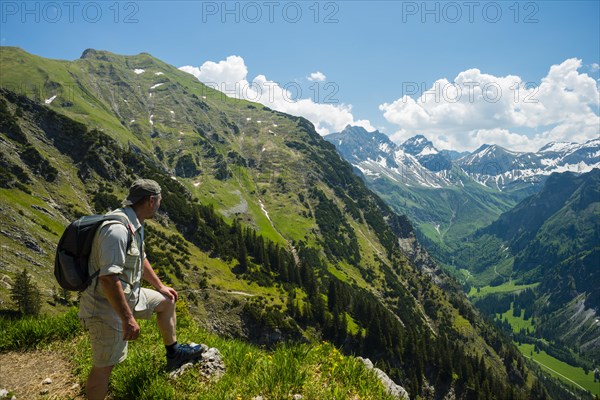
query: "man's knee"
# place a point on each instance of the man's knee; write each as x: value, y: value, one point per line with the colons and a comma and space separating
x: 167, y: 305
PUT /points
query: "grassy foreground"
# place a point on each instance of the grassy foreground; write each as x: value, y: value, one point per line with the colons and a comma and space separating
x: 316, y: 371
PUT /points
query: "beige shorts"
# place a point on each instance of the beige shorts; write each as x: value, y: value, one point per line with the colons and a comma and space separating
x: 108, y: 346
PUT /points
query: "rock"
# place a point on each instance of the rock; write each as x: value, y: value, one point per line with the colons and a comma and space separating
x: 23, y: 238
x: 211, y: 365
x: 31, y: 244
x: 44, y: 391
x: 42, y: 209
x: 5, y: 393
x: 7, y: 283
x: 47, y: 381
x: 179, y: 371
x: 75, y: 386
x: 257, y: 398
x: 391, y: 387
x: 428, y: 390
x: 451, y: 395
x: 297, y: 397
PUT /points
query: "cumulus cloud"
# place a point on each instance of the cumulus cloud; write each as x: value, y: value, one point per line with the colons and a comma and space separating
x: 478, y: 108
x: 317, y: 77
x: 230, y: 76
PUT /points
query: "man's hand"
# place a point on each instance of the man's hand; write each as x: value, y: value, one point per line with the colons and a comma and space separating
x: 169, y: 292
x: 131, y: 329
x: 114, y: 293
x: 153, y: 279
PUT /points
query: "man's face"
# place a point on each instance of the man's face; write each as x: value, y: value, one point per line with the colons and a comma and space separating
x: 154, y: 204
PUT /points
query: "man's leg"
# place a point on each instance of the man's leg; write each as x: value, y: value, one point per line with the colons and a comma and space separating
x: 97, y: 383
x: 166, y: 321
x: 108, y: 349
x: 177, y: 354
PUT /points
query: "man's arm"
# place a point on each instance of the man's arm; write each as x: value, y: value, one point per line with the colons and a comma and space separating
x: 111, y: 285
x: 153, y: 279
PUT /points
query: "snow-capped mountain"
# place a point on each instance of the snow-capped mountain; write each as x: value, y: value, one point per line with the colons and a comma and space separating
x: 357, y: 145
x: 375, y: 155
x: 502, y: 169
x: 426, y: 153
x: 417, y: 162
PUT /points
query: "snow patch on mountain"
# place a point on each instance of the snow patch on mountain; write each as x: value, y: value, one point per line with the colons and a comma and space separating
x: 384, y: 147
x: 428, y: 150
x: 558, y: 147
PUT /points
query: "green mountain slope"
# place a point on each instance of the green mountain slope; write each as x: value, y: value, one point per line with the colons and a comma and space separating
x: 263, y: 227
x: 445, y: 217
x: 551, y: 240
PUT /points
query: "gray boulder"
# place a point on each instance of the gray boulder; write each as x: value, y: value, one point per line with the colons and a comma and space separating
x: 211, y: 365
x: 392, y: 388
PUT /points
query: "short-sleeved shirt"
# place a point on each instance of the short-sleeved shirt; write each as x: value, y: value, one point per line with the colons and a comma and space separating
x: 111, y: 255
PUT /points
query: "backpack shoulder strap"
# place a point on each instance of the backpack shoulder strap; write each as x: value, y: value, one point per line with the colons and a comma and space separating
x: 116, y: 219
x: 122, y: 219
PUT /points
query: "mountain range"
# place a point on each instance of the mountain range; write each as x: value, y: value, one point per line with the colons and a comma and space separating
x: 417, y: 162
x: 522, y: 226
x: 449, y: 195
x: 264, y: 228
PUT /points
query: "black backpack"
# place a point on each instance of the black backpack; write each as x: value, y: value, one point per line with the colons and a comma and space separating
x: 74, y: 248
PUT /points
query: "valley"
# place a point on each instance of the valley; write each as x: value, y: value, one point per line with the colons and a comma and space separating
x: 510, y: 231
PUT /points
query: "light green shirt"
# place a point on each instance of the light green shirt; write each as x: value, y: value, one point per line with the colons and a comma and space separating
x: 110, y: 255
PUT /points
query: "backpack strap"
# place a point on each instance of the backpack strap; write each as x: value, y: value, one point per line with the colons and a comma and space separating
x: 118, y: 219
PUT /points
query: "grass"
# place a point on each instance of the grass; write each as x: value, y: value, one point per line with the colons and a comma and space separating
x: 516, y: 323
x: 316, y: 371
x: 36, y: 332
x: 569, y: 374
x: 508, y: 287
x: 25, y: 202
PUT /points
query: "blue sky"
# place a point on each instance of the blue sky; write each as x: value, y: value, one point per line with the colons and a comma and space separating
x: 376, y: 58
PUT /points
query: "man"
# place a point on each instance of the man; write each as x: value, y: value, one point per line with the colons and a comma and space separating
x: 110, y: 306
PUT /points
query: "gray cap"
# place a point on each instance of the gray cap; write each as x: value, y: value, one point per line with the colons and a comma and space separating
x: 140, y: 189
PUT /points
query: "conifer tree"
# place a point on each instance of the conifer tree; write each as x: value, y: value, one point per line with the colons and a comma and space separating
x: 26, y: 294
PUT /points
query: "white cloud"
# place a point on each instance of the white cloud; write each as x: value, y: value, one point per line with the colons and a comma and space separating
x: 595, y: 67
x: 317, y: 77
x: 232, y: 69
x: 230, y: 77
x: 477, y: 108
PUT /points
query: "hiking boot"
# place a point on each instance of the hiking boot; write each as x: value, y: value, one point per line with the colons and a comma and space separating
x: 185, y: 353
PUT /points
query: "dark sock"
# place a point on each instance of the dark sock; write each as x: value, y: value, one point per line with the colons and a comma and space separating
x: 171, y: 349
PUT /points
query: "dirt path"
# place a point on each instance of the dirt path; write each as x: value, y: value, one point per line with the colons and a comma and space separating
x: 23, y: 374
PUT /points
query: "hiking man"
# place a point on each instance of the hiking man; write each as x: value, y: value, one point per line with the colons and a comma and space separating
x: 111, y: 305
